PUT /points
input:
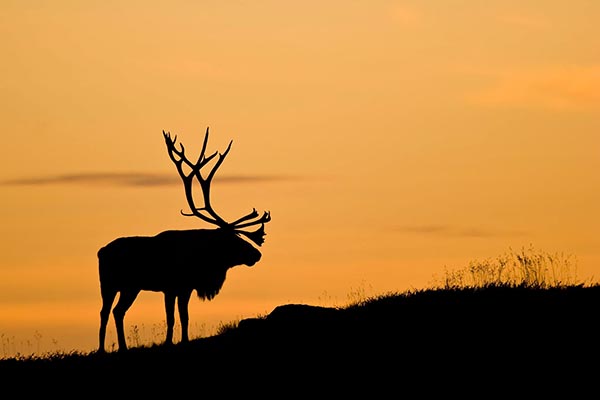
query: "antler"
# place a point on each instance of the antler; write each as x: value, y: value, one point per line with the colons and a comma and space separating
x: 179, y: 159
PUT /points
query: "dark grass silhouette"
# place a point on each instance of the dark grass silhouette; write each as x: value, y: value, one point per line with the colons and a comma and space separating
x: 496, y: 338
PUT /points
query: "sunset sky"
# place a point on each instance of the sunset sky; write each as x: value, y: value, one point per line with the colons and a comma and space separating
x: 390, y: 140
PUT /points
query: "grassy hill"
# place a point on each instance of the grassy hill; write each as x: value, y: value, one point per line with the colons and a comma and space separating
x: 520, y: 326
x: 497, y: 335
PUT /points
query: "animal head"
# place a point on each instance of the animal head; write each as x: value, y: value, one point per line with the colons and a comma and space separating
x: 233, y: 248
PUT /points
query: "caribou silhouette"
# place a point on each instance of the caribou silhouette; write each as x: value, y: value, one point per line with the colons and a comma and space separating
x: 177, y: 262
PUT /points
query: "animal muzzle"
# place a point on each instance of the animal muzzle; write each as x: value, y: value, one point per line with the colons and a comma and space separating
x: 253, y: 258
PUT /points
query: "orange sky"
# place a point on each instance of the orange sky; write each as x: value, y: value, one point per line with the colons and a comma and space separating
x: 389, y: 140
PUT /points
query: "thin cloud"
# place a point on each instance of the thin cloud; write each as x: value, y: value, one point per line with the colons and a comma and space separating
x: 557, y: 88
x: 452, y: 231
x: 130, y: 179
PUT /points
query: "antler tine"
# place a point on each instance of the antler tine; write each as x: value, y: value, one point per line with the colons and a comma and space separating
x: 217, y: 164
x: 266, y: 217
x: 252, y: 214
x: 202, y: 152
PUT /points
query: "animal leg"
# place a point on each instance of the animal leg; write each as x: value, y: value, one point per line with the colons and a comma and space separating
x: 170, y: 312
x: 126, y: 299
x: 107, y: 301
x: 182, y: 305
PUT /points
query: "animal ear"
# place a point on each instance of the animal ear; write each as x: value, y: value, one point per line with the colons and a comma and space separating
x: 258, y: 236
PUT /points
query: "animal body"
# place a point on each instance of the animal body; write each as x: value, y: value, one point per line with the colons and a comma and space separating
x: 176, y: 262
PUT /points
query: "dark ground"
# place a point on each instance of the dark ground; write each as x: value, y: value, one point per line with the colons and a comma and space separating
x: 485, y: 343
